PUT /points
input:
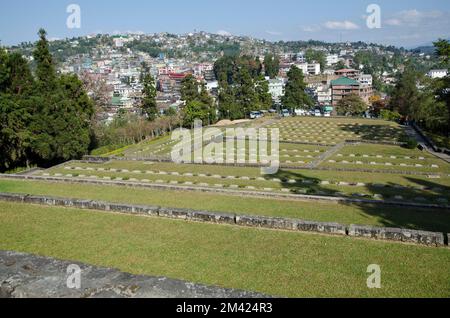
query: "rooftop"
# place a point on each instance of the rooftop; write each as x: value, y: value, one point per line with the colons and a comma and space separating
x: 344, y: 81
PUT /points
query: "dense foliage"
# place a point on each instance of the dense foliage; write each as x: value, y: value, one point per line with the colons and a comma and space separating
x: 242, y: 87
x: 423, y: 100
x: 351, y: 105
x: 45, y: 118
x: 199, y: 104
x: 295, y: 96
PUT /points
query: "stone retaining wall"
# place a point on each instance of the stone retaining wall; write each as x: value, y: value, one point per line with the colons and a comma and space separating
x: 395, y: 234
x: 390, y: 234
x: 30, y: 276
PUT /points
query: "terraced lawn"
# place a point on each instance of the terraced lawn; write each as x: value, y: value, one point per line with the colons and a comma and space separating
x: 272, y: 262
x: 383, y: 157
x: 351, y: 184
x: 335, y: 130
x: 364, y: 214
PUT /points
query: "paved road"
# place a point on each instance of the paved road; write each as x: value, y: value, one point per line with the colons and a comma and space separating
x: 411, y: 132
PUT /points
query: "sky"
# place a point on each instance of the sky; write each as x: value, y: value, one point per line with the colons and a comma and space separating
x: 407, y: 23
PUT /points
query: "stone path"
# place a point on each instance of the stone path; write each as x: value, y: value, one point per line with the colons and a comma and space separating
x: 411, y: 132
x: 29, y: 276
x: 328, y: 154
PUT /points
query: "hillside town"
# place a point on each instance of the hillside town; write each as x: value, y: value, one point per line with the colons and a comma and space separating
x: 332, y: 71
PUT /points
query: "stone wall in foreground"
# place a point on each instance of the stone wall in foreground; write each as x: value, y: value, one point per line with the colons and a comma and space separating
x: 379, y: 233
x: 29, y: 276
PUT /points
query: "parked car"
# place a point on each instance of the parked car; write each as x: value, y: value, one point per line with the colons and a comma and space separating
x: 301, y: 112
x: 272, y: 111
x: 327, y: 114
x: 255, y: 115
x: 285, y: 113
x: 317, y: 113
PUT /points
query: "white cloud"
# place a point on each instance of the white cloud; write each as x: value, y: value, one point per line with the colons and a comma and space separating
x: 414, y: 17
x: 274, y: 33
x: 223, y: 33
x: 341, y: 25
x: 393, y: 22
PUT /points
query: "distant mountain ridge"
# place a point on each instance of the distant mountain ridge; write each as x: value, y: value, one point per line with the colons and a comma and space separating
x: 427, y: 48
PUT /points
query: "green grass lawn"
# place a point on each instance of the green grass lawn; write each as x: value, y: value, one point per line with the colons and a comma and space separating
x: 364, y: 214
x: 307, y: 181
x: 272, y: 262
x: 334, y: 130
x: 415, y: 156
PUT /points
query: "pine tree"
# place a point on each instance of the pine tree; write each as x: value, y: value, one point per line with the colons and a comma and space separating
x: 189, y: 89
x: 271, y: 65
x: 295, y: 95
x: 149, y: 107
x: 246, y: 93
x: 264, y: 97
x: 45, y: 70
x: 406, y: 96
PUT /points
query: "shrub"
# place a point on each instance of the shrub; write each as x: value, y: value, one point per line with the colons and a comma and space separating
x: 411, y: 144
x: 390, y: 115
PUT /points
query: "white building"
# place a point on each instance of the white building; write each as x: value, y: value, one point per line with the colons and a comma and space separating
x: 210, y: 86
x: 276, y: 88
x: 314, y: 69
x: 438, y: 73
x: 309, y: 69
x: 324, y: 95
x: 332, y: 59
x: 365, y: 79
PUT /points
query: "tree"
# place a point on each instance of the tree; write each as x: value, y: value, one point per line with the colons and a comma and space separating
x: 189, y: 89
x: 45, y: 69
x: 194, y: 110
x: 21, y: 81
x: 351, y: 105
x: 295, y: 95
x: 339, y: 66
x: 317, y: 57
x: 44, y: 120
x: 262, y: 90
x: 206, y: 99
x: 228, y: 107
x: 14, y: 135
x: 192, y: 91
x: 443, y: 50
x: 442, y: 87
x: 5, y: 70
x: 271, y: 65
x: 406, y: 96
x: 246, y: 95
x: 148, y: 106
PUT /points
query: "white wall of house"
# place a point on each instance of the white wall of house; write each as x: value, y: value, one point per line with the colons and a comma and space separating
x: 437, y: 73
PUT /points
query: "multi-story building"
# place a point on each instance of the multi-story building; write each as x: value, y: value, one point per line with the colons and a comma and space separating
x: 348, y: 72
x: 345, y: 86
x: 332, y: 59
x: 276, y: 88
x: 313, y: 68
x: 324, y: 95
x: 309, y: 68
